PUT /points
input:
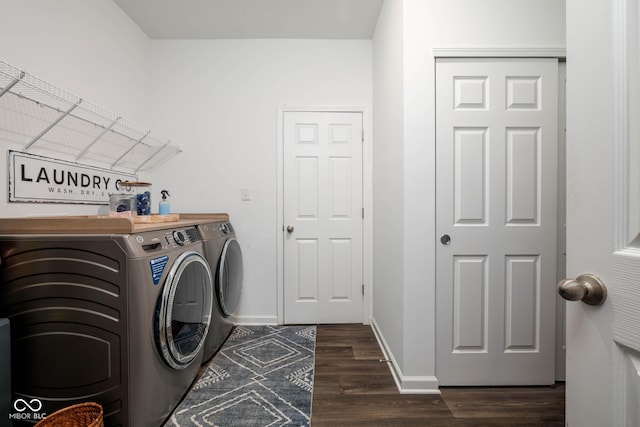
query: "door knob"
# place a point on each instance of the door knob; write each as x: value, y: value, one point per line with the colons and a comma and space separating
x: 445, y: 239
x: 587, y: 288
x: 289, y: 228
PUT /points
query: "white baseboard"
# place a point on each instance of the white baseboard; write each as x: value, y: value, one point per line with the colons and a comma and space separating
x: 406, y: 384
x: 420, y: 385
x: 256, y: 320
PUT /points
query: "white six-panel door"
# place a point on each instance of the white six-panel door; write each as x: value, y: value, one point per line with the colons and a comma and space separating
x: 496, y: 204
x: 323, y: 223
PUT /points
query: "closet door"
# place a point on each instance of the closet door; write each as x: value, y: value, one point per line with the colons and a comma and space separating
x: 496, y: 148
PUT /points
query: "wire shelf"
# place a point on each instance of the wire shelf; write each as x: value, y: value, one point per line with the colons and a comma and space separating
x: 45, y: 119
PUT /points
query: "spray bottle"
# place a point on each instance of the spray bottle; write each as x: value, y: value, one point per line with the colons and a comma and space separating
x: 163, y: 206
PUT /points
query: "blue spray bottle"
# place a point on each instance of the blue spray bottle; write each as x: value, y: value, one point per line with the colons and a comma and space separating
x: 163, y: 207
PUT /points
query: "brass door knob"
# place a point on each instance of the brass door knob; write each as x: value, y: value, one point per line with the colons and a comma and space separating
x: 289, y: 228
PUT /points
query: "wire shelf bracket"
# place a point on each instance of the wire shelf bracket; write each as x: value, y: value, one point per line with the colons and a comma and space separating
x: 44, y: 119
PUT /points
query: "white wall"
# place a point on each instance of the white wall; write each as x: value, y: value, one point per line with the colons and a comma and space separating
x: 219, y: 99
x: 594, y: 53
x: 427, y: 25
x: 88, y: 48
x: 388, y: 179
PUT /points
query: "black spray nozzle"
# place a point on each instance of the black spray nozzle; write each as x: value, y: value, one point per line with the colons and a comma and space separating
x: 165, y: 193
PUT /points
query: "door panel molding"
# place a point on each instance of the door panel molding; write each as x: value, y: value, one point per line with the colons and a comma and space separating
x: 623, y: 289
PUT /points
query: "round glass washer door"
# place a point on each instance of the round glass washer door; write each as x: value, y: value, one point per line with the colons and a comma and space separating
x: 184, y: 312
x: 229, y: 277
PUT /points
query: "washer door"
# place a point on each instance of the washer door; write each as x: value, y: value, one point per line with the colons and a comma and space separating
x: 184, y: 311
x: 229, y: 277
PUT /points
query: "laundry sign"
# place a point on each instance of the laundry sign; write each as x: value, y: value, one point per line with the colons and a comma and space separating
x: 34, y: 178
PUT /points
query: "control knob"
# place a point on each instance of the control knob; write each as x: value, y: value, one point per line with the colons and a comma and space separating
x: 179, y: 237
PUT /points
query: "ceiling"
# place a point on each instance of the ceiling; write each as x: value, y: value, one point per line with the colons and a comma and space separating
x: 251, y: 19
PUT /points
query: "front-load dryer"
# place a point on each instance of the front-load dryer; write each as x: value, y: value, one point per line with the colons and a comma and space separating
x: 224, y: 255
x: 118, y: 319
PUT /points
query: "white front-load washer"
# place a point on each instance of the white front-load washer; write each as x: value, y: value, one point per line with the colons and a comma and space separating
x: 222, y: 250
x: 118, y: 319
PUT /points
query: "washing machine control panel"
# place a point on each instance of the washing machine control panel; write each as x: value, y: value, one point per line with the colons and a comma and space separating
x: 226, y: 227
x: 153, y: 241
x: 214, y: 230
x: 182, y: 237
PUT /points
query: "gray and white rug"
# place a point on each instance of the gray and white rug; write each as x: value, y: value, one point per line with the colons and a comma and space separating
x: 262, y: 376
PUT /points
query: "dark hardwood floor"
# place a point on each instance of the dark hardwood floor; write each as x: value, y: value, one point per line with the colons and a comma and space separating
x: 353, y: 388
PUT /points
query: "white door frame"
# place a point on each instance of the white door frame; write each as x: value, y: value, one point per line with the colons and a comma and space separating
x: 367, y: 200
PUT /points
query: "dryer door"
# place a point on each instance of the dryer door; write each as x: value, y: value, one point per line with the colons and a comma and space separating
x: 184, y: 309
x: 229, y: 277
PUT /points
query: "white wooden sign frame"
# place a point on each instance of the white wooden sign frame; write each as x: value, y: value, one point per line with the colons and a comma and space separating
x: 39, y: 179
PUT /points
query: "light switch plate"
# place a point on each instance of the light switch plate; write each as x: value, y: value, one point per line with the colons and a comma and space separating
x: 246, y: 194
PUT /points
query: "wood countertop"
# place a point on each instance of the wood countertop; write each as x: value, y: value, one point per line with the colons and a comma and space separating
x: 103, y: 224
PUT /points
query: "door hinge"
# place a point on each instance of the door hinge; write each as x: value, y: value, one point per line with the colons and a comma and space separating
x: 362, y: 213
x: 363, y: 289
x: 363, y: 135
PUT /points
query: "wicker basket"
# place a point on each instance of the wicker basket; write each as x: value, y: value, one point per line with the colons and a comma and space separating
x: 81, y: 415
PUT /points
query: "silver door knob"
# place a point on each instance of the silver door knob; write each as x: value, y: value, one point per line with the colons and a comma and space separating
x: 587, y: 288
x: 289, y: 228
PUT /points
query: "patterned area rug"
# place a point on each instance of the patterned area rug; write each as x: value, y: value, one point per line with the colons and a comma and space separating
x: 262, y: 376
